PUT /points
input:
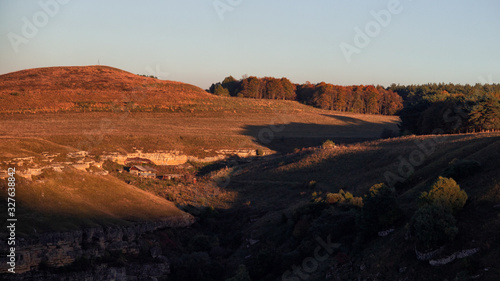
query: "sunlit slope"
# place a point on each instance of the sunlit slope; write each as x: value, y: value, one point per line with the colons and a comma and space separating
x: 90, y: 88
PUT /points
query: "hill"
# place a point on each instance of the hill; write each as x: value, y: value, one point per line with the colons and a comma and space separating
x: 287, y: 200
x: 90, y: 88
x: 71, y: 199
x: 105, y: 108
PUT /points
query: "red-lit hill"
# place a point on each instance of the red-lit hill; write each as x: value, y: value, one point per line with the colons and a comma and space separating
x: 91, y: 88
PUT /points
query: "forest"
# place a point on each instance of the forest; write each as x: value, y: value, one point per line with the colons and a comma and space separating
x: 424, y: 109
x: 449, y: 108
x: 358, y: 99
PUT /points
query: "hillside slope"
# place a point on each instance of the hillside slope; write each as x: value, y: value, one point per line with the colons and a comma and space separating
x: 288, y: 195
x: 90, y: 88
x: 65, y: 198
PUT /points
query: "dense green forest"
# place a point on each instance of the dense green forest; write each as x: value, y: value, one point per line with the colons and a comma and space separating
x: 449, y: 108
x: 424, y: 109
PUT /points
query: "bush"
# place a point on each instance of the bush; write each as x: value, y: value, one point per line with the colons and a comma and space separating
x: 433, y: 225
x: 445, y: 192
x: 380, y: 209
x: 332, y: 198
x: 328, y: 144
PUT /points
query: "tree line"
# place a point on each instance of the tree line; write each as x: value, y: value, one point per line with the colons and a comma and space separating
x: 359, y: 99
x: 449, y: 108
x: 423, y: 109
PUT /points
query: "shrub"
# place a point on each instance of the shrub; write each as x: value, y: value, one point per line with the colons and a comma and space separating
x: 445, y: 192
x: 332, y: 198
x: 343, y: 197
x: 328, y: 144
x: 380, y: 208
x: 433, y: 225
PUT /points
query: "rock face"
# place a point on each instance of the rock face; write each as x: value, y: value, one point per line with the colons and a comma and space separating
x: 175, y: 157
x: 59, y: 249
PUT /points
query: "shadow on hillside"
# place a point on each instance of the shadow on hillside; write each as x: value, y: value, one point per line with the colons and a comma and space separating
x: 346, y: 119
x: 285, y: 138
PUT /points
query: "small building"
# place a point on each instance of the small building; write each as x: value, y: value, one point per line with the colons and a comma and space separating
x: 143, y: 171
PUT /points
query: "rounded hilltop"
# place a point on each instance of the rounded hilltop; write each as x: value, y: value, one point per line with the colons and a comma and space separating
x: 91, y: 88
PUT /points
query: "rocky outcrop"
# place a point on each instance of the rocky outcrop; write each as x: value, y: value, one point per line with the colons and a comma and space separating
x: 59, y: 249
x: 175, y: 157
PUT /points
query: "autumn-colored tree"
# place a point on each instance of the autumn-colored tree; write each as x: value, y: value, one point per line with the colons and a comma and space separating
x: 274, y: 88
x: 288, y: 89
x: 250, y: 87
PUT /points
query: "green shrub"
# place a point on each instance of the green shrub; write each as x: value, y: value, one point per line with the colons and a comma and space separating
x: 328, y: 144
x: 380, y: 209
x: 445, y: 192
x: 433, y: 225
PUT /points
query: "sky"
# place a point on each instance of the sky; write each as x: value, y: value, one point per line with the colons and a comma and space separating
x: 344, y: 42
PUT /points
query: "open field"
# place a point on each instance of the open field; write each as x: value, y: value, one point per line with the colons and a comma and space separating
x: 193, y: 133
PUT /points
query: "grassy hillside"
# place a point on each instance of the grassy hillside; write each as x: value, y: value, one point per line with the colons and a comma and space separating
x: 195, y: 133
x: 72, y: 199
x: 288, y: 196
x: 90, y: 88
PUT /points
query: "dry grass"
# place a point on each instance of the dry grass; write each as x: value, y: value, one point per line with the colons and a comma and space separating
x: 357, y: 167
x: 193, y: 133
x: 90, y: 88
x: 72, y: 199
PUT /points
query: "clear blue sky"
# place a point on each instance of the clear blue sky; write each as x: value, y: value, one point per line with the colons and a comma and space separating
x: 427, y: 41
